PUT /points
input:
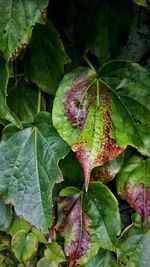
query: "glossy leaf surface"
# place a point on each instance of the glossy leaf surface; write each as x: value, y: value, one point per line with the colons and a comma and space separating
x: 16, y: 33
x: 82, y: 221
x: 29, y: 170
x: 133, y: 184
x: 45, y: 58
x: 100, y: 121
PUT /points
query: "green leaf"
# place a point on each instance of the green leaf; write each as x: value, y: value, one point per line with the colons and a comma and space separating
x: 104, y: 258
x: 54, y: 253
x: 97, y: 121
x: 45, y: 58
x: 23, y: 101
x: 5, y: 112
x: 87, y: 221
x: 133, y: 184
x: 134, y: 247
x: 101, y: 29
x: 29, y: 170
x: 109, y: 170
x: 5, y: 215
x: 141, y: 2
x: 44, y: 262
x: 17, y: 225
x: 16, y: 33
x: 40, y: 236
x: 24, y: 245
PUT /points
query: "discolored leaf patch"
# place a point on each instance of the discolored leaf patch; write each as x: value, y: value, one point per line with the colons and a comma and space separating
x: 134, y: 186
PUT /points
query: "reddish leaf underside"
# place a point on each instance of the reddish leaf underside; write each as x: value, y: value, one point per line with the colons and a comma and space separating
x: 138, y: 198
x: 74, y: 225
x: 79, y: 101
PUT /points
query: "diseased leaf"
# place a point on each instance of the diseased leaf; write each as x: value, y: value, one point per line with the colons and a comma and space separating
x: 5, y: 112
x: 83, y: 221
x: 45, y: 58
x: 17, y: 18
x: 29, y: 170
x: 133, y: 184
x: 109, y: 170
x: 5, y: 215
x: 100, y: 121
x: 24, y: 245
x: 101, y: 27
x: 134, y: 247
x: 23, y: 101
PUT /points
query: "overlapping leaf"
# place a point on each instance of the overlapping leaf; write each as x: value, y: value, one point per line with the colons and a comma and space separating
x: 104, y: 258
x: 17, y: 18
x: 134, y: 247
x: 83, y: 221
x: 5, y: 112
x: 101, y: 27
x: 5, y: 215
x: 98, y: 121
x: 29, y: 170
x: 45, y: 58
x: 133, y: 183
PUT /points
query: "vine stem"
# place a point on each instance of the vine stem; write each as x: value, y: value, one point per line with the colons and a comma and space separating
x: 89, y: 63
x: 39, y: 101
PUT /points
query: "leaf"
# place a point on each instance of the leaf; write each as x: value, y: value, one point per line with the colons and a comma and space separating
x: 17, y: 225
x: 5, y: 112
x: 133, y: 184
x: 44, y: 262
x: 100, y: 27
x: 55, y: 253
x: 104, y: 258
x: 83, y: 221
x: 134, y: 247
x: 24, y: 245
x: 5, y: 215
x: 29, y: 170
x: 23, y: 101
x: 45, y: 58
x: 16, y: 33
x: 109, y: 170
x: 98, y: 122
x: 141, y: 2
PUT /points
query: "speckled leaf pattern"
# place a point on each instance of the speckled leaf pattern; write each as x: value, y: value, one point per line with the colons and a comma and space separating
x: 133, y: 184
x: 82, y: 216
x: 100, y: 121
x: 16, y: 33
x: 29, y: 170
x: 45, y: 58
x: 134, y: 247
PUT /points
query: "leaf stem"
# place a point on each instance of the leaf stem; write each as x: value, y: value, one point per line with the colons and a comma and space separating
x: 89, y: 63
x: 39, y: 101
x: 97, y: 87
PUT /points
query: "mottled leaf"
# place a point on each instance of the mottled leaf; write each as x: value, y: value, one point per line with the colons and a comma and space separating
x: 133, y: 184
x: 83, y: 221
x: 23, y: 101
x: 101, y: 27
x: 24, y: 245
x: 5, y: 215
x: 5, y: 112
x: 100, y: 121
x: 29, y: 170
x: 45, y: 58
x: 17, y: 18
x: 108, y: 171
x: 134, y: 247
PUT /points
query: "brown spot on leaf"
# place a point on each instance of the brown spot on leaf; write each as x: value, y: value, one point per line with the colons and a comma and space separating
x: 74, y: 225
